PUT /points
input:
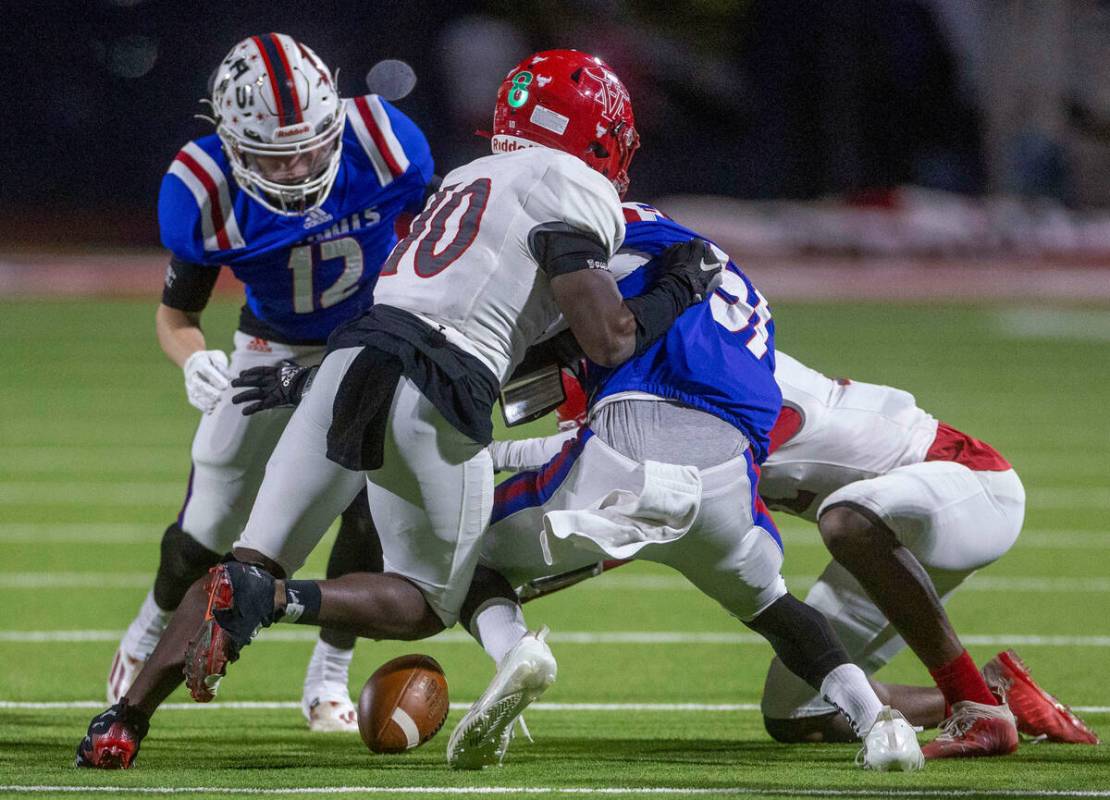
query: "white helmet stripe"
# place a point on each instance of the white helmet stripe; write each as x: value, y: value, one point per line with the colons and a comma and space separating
x: 375, y: 133
x: 208, y: 185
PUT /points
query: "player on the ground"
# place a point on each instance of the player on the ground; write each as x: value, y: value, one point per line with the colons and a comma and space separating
x: 909, y: 508
x: 921, y: 506
x: 297, y: 192
x: 664, y: 471
x: 402, y: 402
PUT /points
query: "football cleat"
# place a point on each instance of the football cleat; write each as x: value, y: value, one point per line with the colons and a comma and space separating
x: 975, y: 730
x: 482, y: 736
x: 329, y: 709
x: 113, y: 738
x: 240, y: 603
x: 124, y: 670
x: 891, y: 745
x: 1038, y: 713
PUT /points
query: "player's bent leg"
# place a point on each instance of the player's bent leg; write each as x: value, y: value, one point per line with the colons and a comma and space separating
x: 876, y: 528
x: 229, y: 453
x: 525, y: 669
x: 325, y: 700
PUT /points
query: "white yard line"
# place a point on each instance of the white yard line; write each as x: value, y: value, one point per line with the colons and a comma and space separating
x: 132, y: 533
x: 604, y: 791
x: 281, y: 634
x: 279, y: 705
x: 99, y: 494
x: 618, y: 581
x: 147, y: 493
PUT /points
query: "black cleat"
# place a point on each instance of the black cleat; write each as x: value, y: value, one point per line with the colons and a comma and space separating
x: 240, y: 602
x: 113, y: 739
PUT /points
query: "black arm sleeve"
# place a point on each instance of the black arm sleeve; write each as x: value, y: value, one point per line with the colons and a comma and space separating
x: 560, y: 249
x: 188, y: 286
x: 656, y: 309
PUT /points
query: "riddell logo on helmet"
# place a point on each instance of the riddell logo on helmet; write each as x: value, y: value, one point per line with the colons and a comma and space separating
x: 295, y: 130
x: 507, y: 144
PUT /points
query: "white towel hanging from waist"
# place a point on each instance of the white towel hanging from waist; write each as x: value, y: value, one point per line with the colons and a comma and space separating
x: 622, y: 523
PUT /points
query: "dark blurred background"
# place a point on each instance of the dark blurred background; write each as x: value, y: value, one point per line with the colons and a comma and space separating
x: 750, y: 99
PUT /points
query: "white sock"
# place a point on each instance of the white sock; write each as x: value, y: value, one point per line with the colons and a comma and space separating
x: 847, y: 688
x: 328, y: 665
x: 146, y: 629
x: 498, y: 625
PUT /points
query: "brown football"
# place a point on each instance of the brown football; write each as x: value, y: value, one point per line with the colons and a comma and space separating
x: 403, y: 704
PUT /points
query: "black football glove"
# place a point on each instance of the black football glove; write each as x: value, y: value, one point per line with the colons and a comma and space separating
x: 280, y: 386
x: 696, y: 264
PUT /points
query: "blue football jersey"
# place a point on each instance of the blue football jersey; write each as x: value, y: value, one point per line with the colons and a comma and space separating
x: 718, y: 356
x: 303, y: 275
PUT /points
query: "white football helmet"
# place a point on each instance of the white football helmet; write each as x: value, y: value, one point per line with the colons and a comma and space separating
x: 280, y: 119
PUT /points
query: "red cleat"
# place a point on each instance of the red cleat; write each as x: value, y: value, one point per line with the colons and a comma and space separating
x: 113, y: 738
x: 209, y: 653
x: 975, y: 730
x: 1038, y: 713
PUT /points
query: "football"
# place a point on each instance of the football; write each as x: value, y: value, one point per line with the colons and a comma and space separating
x: 403, y: 704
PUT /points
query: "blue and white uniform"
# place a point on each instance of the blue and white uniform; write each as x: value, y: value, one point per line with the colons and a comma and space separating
x: 303, y: 277
x: 592, y: 501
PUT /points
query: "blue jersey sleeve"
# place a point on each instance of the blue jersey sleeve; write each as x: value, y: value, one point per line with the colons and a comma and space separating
x: 416, y: 148
x: 179, y: 220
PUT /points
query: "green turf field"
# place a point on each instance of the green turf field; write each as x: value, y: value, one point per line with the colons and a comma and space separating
x: 94, y: 433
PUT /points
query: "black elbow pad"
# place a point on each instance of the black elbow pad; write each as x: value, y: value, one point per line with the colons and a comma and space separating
x: 560, y: 249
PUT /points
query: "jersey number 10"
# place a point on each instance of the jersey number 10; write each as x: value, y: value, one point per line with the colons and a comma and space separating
x: 444, y: 230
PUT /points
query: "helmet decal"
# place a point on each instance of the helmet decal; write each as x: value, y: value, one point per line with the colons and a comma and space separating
x: 518, y: 95
x: 570, y: 101
x: 280, y: 120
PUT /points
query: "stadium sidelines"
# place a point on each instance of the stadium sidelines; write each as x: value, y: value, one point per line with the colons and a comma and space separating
x: 731, y: 791
x: 670, y: 583
x: 462, y: 705
x: 571, y: 637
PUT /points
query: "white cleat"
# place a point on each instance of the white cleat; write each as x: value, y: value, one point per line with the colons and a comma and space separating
x: 329, y: 709
x: 891, y: 745
x: 483, y: 735
x: 125, y: 668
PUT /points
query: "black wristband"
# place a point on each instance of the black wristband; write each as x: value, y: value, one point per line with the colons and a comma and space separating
x: 302, y: 602
x: 657, y: 309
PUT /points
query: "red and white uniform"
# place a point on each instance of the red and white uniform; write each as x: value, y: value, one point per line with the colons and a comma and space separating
x: 468, y: 271
x: 952, y: 500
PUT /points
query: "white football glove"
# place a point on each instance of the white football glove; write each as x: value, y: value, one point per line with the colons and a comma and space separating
x: 206, y: 376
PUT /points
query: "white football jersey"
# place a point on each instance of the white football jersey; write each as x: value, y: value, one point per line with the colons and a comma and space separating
x: 467, y: 266
x: 849, y: 431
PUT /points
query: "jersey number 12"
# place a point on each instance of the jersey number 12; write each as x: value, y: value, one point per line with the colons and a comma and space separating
x: 301, y: 263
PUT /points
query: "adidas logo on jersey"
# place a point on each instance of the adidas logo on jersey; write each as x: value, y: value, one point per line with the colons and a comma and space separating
x: 316, y: 216
x: 259, y: 345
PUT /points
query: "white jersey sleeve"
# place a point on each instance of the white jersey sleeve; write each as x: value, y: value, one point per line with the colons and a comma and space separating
x: 849, y: 431
x: 467, y: 266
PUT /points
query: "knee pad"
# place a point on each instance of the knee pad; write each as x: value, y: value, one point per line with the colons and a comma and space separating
x: 357, y: 547
x: 183, y: 560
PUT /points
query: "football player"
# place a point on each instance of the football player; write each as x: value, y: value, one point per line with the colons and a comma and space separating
x: 298, y: 192
x: 702, y: 396
x: 909, y: 507
x: 402, y: 401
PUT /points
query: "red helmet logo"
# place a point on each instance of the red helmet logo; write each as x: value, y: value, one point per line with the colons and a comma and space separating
x: 572, y: 102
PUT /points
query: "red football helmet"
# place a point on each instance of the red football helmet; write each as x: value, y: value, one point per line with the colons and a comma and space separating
x: 572, y: 102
